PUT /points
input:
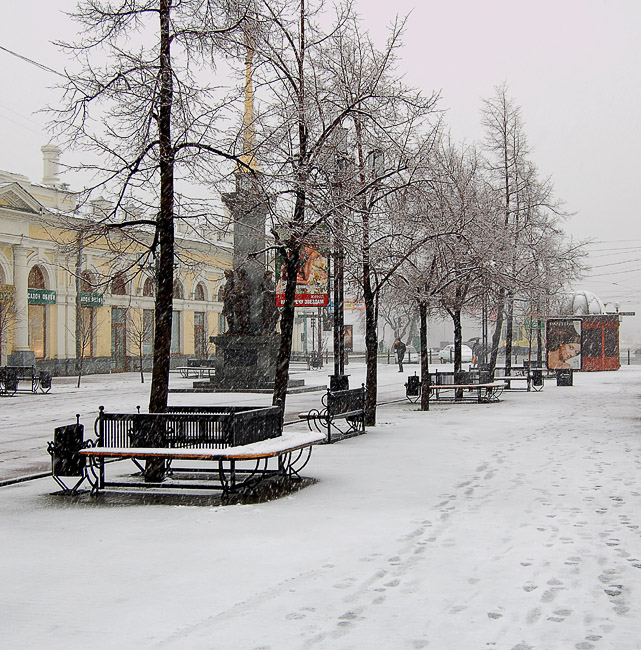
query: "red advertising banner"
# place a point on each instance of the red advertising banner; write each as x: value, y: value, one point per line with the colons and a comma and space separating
x: 304, y: 300
x: 311, y: 283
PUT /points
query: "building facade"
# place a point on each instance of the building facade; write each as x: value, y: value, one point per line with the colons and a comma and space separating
x: 61, y: 302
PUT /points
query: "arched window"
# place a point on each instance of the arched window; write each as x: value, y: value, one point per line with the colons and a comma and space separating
x: 86, y: 282
x: 148, y: 288
x: 178, y: 290
x: 118, y: 286
x: 36, y: 278
x: 37, y: 316
x: 199, y: 292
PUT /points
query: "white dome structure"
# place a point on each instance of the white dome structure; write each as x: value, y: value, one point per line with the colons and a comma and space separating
x: 581, y: 303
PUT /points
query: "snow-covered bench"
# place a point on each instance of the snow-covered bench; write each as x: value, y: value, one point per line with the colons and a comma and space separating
x: 481, y: 393
x: 198, y: 368
x: 531, y: 377
x: 342, y: 415
x: 290, y: 453
x: 11, y: 376
x: 168, y: 448
x: 459, y: 386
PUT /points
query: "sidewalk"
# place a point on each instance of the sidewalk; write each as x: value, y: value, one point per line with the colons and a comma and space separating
x: 512, y: 526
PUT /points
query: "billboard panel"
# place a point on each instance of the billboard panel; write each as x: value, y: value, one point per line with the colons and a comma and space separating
x: 311, y: 283
x: 564, y: 343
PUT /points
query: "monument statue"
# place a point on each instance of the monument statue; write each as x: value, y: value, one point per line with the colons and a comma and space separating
x: 270, y: 311
x: 247, y: 352
x: 228, y: 301
x: 242, y: 298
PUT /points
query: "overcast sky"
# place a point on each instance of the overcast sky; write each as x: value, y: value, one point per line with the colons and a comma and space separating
x: 571, y: 65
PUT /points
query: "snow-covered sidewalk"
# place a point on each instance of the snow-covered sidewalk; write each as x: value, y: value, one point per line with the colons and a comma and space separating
x: 512, y: 526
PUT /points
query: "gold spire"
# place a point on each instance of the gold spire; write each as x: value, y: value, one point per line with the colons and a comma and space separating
x: 249, y: 141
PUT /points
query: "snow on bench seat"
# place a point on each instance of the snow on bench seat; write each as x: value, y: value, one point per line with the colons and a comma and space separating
x: 288, y: 442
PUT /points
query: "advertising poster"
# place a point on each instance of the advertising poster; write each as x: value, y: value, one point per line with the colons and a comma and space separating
x: 349, y: 338
x: 564, y: 343
x: 311, y: 283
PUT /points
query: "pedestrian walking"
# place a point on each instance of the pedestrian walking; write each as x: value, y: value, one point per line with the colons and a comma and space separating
x: 399, y: 348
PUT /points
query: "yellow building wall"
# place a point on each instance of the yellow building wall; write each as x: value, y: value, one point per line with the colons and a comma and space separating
x: 188, y: 336
x: 60, y: 318
x: 102, y: 347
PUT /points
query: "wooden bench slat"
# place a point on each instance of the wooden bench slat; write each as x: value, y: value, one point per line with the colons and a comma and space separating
x: 265, y: 449
x: 494, y: 384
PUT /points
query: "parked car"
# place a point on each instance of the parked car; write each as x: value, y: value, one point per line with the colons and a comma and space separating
x: 412, y: 355
x: 446, y: 355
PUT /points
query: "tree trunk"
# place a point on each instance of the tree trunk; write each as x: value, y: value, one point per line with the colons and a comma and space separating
x: 425, y: 368
x: 140, y: 356
x: 286, y: 330
x: 458, y: 338
x: 458, y: 342
x: 369, y: 297
x: 79, y: 332
x: 496, y: 336
x: 539, y: 338
x: 509, y: 330
x: 371, y: 350
x: 79, y: 372
x: 165, y: 226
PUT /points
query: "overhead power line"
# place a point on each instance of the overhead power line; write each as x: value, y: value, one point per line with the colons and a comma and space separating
x: 32, y: 62
x: 600, y: 266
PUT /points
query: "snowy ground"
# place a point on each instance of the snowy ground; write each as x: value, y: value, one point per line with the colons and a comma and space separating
x: 509, y: 526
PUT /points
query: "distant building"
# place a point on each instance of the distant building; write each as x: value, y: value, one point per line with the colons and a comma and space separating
x: 584, y: 337
x: 581, y: 303
x: 39, y: 293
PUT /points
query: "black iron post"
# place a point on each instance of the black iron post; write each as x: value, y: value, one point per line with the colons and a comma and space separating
x: 483, y: 334
x: 339, y: 380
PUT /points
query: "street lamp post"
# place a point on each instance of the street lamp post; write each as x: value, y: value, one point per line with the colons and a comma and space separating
x: 339, y: 380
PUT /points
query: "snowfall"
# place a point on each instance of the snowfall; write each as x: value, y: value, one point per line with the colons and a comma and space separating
x: 513, y: 525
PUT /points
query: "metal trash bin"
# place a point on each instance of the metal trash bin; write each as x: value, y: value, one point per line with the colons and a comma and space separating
x: 67, y: 442
x: 11, y: 380
x: 338, y: 382
x: 537, y: 377
x: 564, y: 377
x: 413, y: 386
x: 461, y: 377
x: 44, y: 379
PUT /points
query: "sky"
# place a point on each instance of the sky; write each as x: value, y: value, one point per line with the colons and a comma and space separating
x: 573, y: 68
x: 519, y: 532
x: 571, y: 65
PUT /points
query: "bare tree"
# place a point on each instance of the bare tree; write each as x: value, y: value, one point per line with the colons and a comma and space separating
x: 140, y: 331
x: 140, y: 105
x: 313, y: 87
x: 7, y: 315
x: 86, y: 332
x: 448, y: 274
x: 523, y: 198
x: 391, y: 134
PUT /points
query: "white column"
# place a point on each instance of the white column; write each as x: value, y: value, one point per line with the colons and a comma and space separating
x: 20, y: 282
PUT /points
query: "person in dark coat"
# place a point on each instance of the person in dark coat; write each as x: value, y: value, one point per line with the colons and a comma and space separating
x: 399, y: 348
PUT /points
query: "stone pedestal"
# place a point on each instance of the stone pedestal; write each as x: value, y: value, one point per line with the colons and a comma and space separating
x: 243, y: 363
x: 22, y: 358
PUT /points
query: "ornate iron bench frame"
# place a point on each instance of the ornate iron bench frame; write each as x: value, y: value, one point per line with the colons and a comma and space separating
x: 463, y: 389
x: 241, y: 441
x: 342, y: 414
x: 11, y: 376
